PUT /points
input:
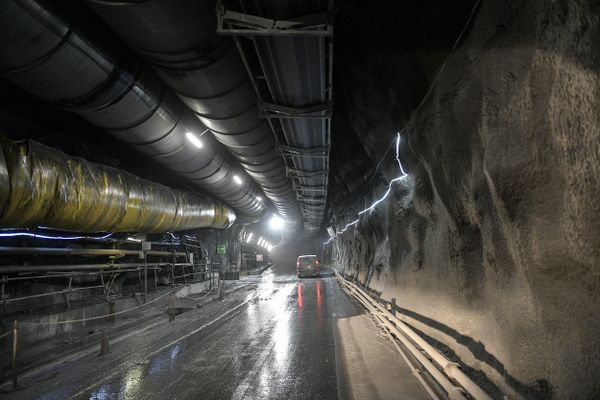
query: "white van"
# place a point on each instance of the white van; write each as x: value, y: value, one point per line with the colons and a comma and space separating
x: 307, y: 265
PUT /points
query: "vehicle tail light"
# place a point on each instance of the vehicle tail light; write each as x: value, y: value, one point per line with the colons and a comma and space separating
x: 317, y: 262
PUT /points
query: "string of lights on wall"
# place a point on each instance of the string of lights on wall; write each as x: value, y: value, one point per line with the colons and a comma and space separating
x: 52, y: 237
x: 427, y: 95
x: 378, y: 201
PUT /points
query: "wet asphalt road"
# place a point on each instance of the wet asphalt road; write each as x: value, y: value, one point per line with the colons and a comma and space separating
x: 273, y: 339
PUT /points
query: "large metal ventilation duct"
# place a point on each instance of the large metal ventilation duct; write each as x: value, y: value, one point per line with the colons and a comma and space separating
x: 179, y: 38
x: 42, y: 54
x: 43, y: 186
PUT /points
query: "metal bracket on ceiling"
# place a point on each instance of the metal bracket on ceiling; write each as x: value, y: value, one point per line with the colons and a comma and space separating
x: 317, y: 111
x: 317, y: 214
x: 312, y: 217
x: 312, y: 209
x: 313, y: 206
x: 313, y: 212
x: 311, y: 200
x: 319, y: 27
x: 319, y: 152
x: 309, y: 188
x: 296, y: 173
x: 236, y: 23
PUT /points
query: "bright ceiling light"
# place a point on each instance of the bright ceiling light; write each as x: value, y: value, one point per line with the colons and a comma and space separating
x: 260, y: 241
x: 259, y: 198
x: 269, y: 247
x: 276, y: 223
x: 237, y: 179
x: 194, y: 139
x: 249, y: 238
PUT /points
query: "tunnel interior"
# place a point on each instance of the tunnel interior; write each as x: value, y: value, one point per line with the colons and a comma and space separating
x: 442, y: 156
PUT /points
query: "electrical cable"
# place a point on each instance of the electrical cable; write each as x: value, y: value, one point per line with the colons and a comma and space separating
x: 50, y: 237
x: 398, y: 134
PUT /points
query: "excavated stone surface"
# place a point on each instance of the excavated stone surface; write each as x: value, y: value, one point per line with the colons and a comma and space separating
x: 491, y: 245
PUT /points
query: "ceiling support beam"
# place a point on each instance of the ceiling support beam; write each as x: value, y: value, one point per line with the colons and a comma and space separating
x: 301, y: 122
x: 295, y: 173
x: 300, y: 152
x: 317, y: 111
x: 240, y: 24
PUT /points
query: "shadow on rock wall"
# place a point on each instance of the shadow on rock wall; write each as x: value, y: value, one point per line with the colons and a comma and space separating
x: 491, y: 246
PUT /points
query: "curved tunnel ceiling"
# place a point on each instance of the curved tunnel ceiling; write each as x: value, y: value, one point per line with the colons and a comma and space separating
x: 374, y: 97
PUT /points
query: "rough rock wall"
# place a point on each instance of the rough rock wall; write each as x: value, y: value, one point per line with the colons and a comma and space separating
x: 385, y: 56
x: 491, y: 245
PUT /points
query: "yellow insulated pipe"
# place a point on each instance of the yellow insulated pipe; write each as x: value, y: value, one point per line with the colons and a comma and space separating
x: 42, y: 186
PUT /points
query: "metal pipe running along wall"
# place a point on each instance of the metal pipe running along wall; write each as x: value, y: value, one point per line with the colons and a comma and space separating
x: 43, y: 186
x: 42, y: 54
x: 178, y: 37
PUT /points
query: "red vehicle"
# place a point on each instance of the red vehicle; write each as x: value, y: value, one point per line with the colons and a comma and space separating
x: 307, y: 265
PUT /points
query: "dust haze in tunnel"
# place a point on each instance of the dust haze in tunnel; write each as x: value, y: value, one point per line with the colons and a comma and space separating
x: 285, y: 253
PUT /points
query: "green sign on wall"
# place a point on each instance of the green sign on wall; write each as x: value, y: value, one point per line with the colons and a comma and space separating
x: 221, y: 249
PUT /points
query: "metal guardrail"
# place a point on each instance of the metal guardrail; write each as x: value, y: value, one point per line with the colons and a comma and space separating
x: 442, y: 370
x: 19, y: 325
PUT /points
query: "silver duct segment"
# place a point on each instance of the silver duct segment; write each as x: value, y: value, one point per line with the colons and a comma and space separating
x: 178, y: 37
x: 46, y: 187
x: 41, y: 53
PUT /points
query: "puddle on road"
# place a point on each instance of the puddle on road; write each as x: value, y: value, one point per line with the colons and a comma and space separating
x: 274, y: 300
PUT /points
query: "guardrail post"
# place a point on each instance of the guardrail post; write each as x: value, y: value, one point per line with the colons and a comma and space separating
x: 171, y: 310
x: 145, y: 277
x: 393, y: 305
x: 104, y: 344
x: 68, y: 292
x: 15, y: 382
x: 2, y: 297
x: 220, y: 289
x: 111, y: 312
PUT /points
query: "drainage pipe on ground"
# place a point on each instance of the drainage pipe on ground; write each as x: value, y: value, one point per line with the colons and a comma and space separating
x: 407, y: 336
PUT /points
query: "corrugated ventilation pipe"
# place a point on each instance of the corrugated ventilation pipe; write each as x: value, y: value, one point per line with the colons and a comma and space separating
x: 42, y: 54
x: 43, y: 186
x: 179, y: 38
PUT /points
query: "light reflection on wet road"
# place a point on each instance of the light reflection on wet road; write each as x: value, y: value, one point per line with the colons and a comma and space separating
x: 275, y: 342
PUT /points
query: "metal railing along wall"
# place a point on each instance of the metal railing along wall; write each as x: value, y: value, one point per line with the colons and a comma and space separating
x: 442, y: 370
